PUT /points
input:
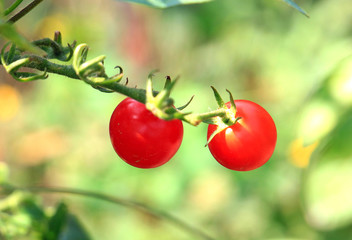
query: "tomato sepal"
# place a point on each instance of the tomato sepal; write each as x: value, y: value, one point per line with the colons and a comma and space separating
x: 221, y: 127
x: 13, y: 67
x: 93, y: 71
x: 160, y: 104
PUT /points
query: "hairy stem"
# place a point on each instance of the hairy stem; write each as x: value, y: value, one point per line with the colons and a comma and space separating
x: 96, y: 77
x: 43, y: 64
x: 123, y: 202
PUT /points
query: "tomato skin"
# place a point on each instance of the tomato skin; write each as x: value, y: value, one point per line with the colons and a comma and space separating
x: 140, y: 138
x: 249, y: 143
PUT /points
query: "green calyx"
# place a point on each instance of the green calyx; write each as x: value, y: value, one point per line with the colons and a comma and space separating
x: 228, y: 115
x: 162, y: 106
x: 160, y: 103
x: 228, y: 118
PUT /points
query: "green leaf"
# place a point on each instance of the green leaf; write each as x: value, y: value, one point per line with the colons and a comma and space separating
x: 73, y: 230
x: 31, y: 208
x: 8, y: 31
x: 64, y: 226
x: 165, y: 3
x: 56, y: 223
x: 294, y: 5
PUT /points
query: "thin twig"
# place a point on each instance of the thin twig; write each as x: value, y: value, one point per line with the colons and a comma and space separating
x: 127, y: 203
x: 12, y: 7
x: 24, y: 11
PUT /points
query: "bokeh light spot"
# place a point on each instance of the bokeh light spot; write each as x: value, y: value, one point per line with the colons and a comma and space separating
x: 9, y: 102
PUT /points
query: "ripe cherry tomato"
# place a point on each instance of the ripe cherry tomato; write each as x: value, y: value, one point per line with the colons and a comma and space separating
x: 140, y: 138
x: 247, y: 144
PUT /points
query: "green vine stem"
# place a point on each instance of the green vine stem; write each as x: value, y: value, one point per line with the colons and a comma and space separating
x: 8, y: 189
x: 93, y: 73
x: 43, y: 64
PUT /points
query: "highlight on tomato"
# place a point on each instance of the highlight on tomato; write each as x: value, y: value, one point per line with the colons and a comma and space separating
x: 140, y: 138
x: 247, y: 144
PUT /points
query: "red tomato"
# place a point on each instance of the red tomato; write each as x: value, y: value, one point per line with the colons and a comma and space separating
x: 249, y: 143
x: 140, y: 138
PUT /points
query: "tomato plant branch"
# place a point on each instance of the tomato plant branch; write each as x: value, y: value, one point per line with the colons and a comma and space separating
x: 8, y: 189
x: 92, y: 72
x: 43, y: 64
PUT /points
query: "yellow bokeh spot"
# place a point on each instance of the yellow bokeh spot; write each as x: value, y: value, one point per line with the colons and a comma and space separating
x: 300, y: 154
x: 9, y: 102
x: 53, y: 23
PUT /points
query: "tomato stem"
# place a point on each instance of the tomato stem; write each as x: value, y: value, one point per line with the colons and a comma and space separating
x: 93, y: 73
x: 208, y: 116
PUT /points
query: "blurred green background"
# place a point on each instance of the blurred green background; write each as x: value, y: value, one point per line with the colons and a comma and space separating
x: 54, y: 132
